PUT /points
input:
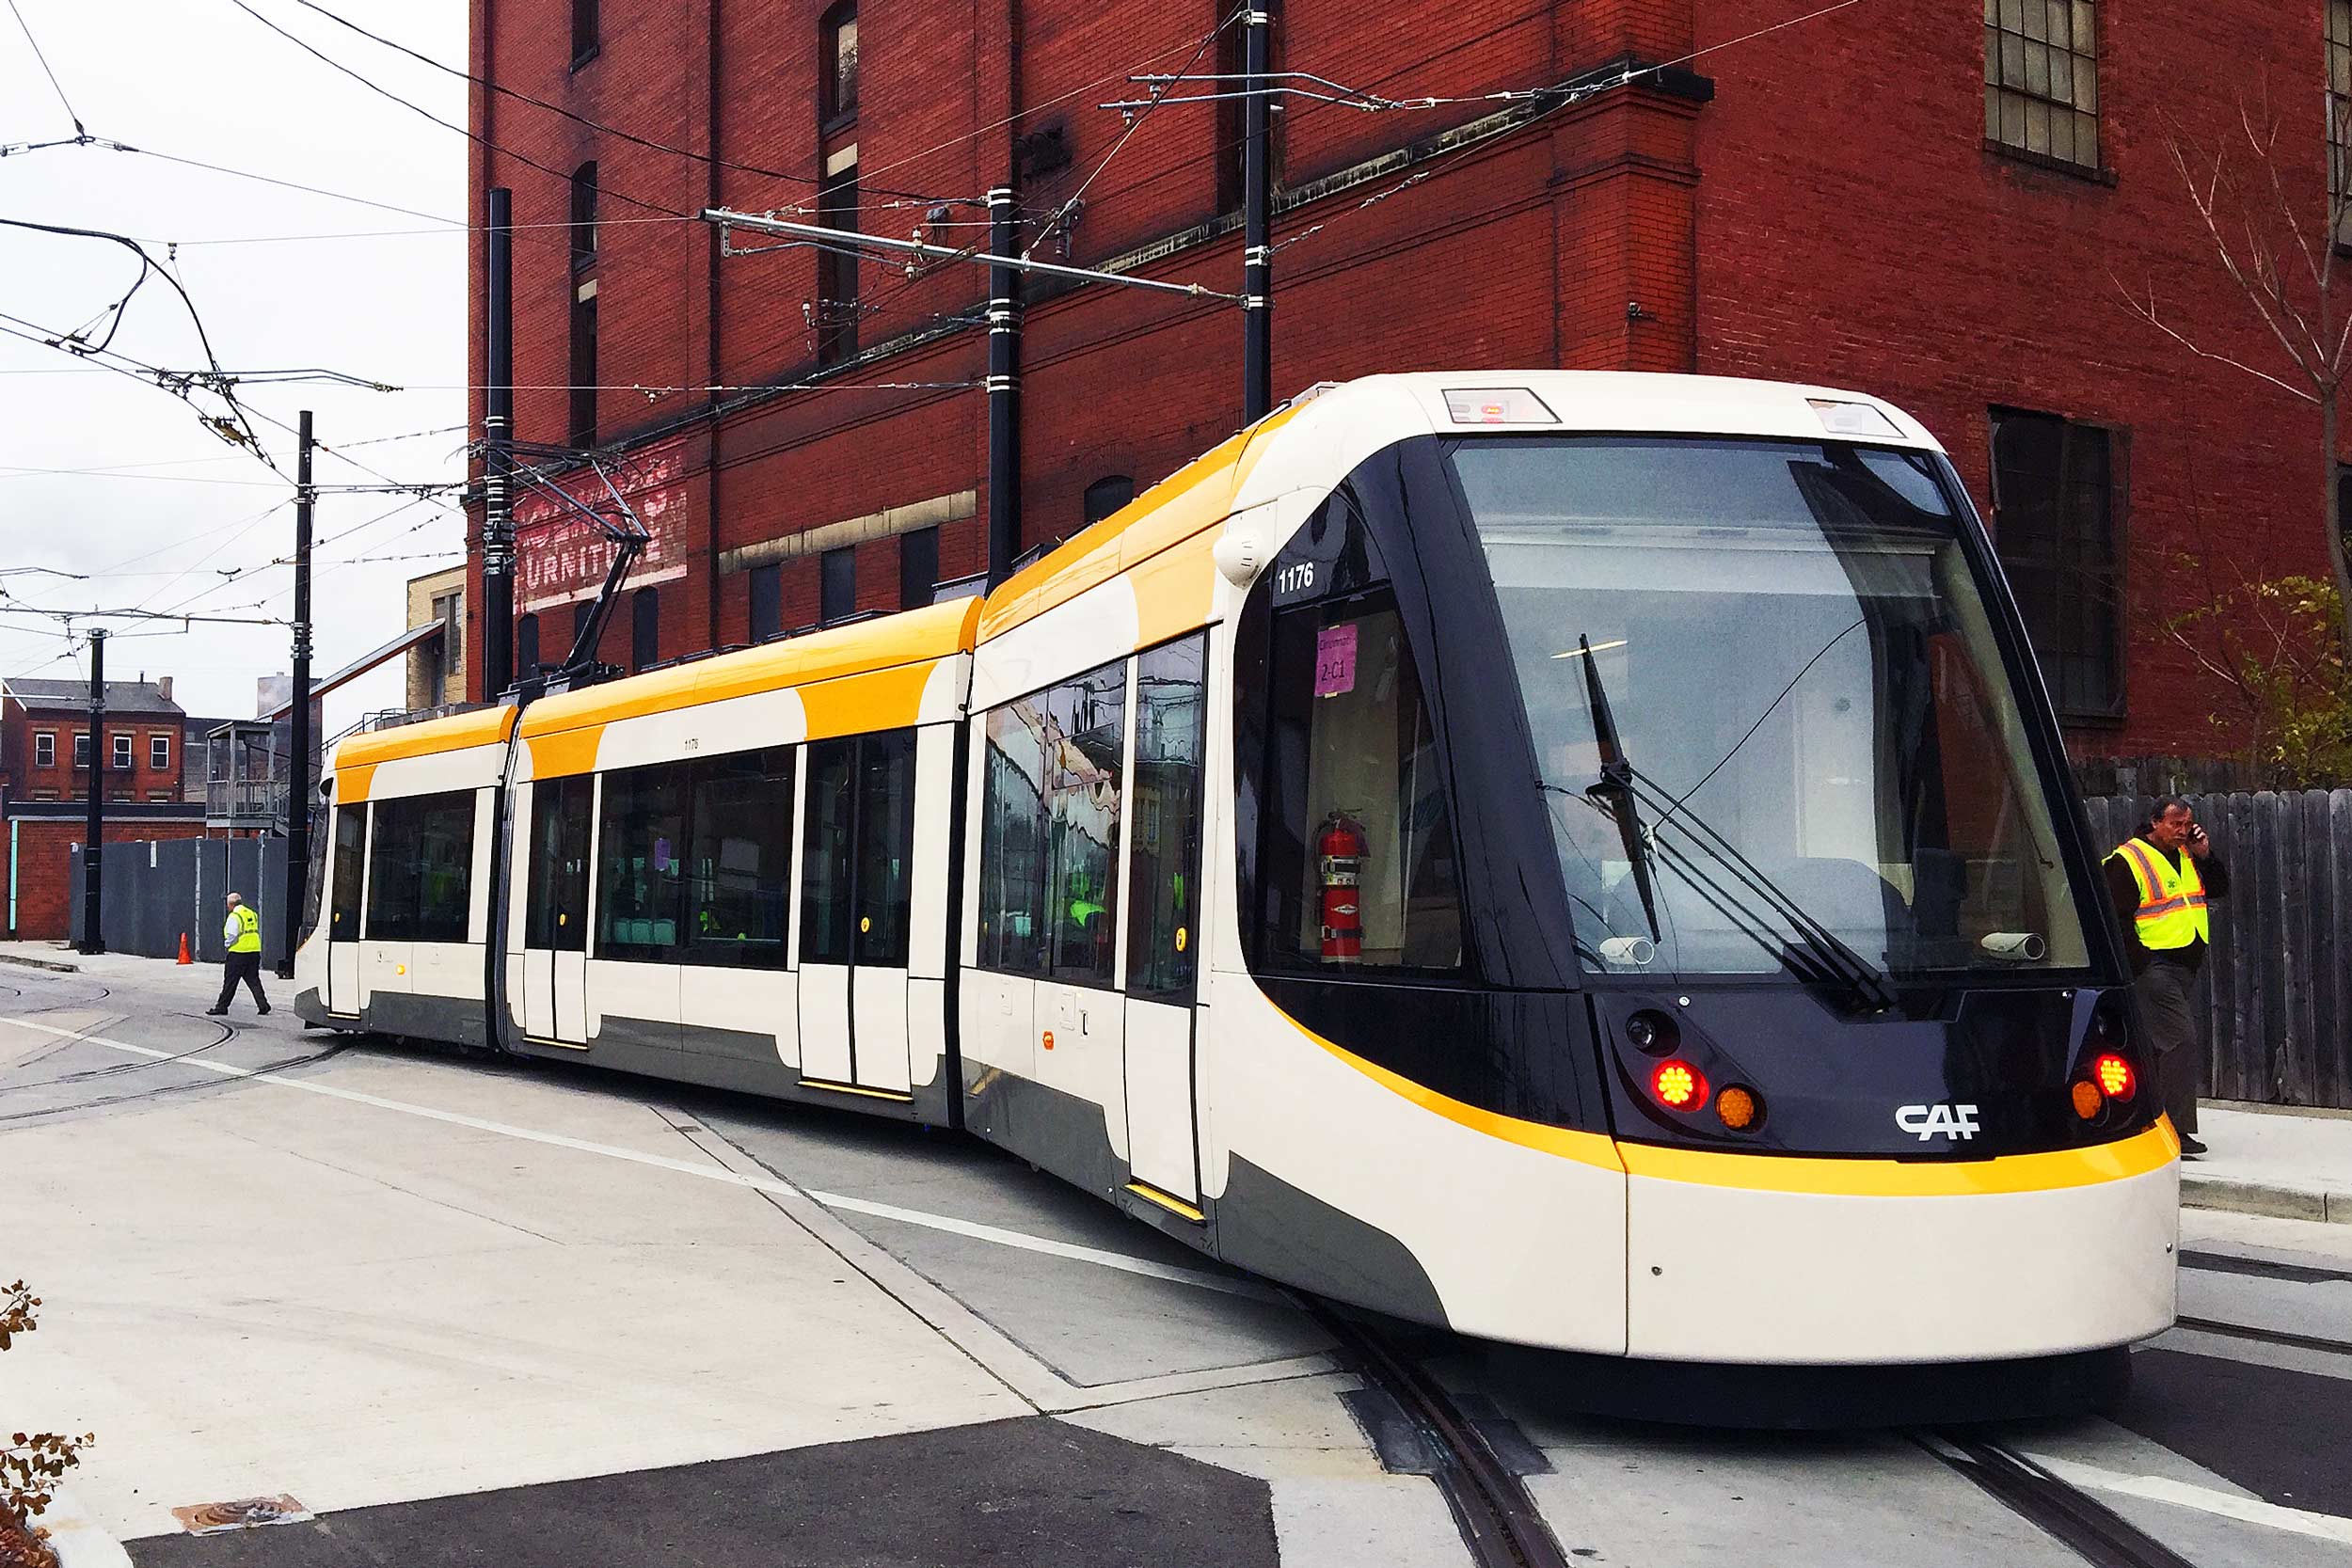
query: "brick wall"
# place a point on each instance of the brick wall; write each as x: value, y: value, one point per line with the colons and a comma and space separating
x: 1815, y: 204
x: 62, y: 781
x: 43, y: 863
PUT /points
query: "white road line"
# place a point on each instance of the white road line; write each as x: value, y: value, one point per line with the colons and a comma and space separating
x: 1021, y: 1240
x: 2251, y: 1510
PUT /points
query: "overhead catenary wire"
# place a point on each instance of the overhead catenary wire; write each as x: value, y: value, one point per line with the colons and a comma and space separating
x: 631, y: 136
x: 47, y: 70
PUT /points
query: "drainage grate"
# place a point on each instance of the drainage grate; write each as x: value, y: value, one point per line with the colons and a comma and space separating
x: 243, y: 1514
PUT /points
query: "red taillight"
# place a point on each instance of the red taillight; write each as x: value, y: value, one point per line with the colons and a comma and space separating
x: 2114, y: 1076
x: 1679, y: 1085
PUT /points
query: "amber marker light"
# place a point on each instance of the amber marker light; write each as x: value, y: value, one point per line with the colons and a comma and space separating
x: 1738, y: 1107
x: 2113, y: 1075
x: 2087, y: 1099
x: 1679, y: 1085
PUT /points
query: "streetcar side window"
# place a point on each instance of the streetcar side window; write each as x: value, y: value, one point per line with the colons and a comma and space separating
x: 640, y: 851
x: 421, y: 873
x: 351, y: 839
x: 1164, y: 822
x: 825, y: 850
x: 885, y: 850
x: 1358, y: 856
x: 1049, y: 843
x: 740, y: 862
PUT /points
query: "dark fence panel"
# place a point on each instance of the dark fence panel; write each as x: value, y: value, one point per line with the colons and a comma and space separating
x: 2276, y: 987
x: 156, y: 891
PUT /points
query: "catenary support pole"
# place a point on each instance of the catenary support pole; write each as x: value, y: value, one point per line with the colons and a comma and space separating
x: 94, y: 828
x: 299, y: 739
x: 498, y: 428
x: 1256, y: 235
x: 1004, y: 390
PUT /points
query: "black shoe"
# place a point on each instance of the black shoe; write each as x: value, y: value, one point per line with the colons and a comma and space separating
x: 265, y: 1009
x: 216, y: 1012
x: 2190, y: 1147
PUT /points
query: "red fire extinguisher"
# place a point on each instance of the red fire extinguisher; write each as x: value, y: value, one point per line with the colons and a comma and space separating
x: 1343, y: 848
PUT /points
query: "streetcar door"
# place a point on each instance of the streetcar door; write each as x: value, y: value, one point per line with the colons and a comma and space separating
x: 857, y: 865
x: 1162, y: 908
x: 555, y: 912
x: 343, y: 909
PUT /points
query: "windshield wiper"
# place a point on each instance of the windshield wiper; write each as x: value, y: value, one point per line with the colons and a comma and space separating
x: 1613, y: 790
x: 1822, y: 948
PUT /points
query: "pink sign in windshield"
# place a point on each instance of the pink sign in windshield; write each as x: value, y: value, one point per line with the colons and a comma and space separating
x: 1335, y: 660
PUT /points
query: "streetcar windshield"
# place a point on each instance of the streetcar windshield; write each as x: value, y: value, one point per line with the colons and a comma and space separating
x: 1772, y: 725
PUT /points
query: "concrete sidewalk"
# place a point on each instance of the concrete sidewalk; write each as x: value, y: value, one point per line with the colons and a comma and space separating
x: 2285, y: 1162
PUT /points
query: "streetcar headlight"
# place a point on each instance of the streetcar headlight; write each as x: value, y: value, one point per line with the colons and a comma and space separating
x: 1679, y: 1085
x: 1651, y: 1032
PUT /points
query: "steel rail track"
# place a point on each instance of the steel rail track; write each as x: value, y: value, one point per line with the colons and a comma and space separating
x: 2095, y: 1532
x: 2265, y: 1335
x: 1498, y: 1520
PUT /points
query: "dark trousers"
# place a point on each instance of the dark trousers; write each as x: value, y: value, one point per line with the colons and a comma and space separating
x: 245, y: 967
x: 2174, y: 1037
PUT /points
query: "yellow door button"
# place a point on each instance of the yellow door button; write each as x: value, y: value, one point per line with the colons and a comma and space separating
x: 564, y: 919
x: 1180, y: 939
x: 866, y: 922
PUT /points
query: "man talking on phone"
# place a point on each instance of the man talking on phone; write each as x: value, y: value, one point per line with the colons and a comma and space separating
x: 2160, y: 883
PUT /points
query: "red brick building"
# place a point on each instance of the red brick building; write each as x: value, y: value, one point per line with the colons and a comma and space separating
x: 1942, y: 204
x: 45, y: 744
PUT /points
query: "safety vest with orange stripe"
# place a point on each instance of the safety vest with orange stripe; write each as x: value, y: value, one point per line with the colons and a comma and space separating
x: 2171, y: 910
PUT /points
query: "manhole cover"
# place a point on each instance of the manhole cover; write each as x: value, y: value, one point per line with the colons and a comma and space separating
x: 243, y: 1514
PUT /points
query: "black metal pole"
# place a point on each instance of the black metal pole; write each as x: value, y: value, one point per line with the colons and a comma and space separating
x: 498, y: 428
x: 298, y: 722
x: 94, y: 828
x: 1004, y: 391
x: 1257, y: 234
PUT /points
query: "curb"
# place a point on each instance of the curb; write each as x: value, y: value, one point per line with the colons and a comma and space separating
x: 39, y: 963
x: 2275, y: 1199
x: 79, y: 1543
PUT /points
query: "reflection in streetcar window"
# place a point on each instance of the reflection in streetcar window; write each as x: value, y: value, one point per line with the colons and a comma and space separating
x: 1798, y: 664
x: 1164, y: 820
x: 1049, y: 845
x: 1359, y: 855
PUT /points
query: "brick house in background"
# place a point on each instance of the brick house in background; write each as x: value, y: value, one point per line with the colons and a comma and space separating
x: 437, y: 667
x: 45, y: 776
x: 45, y: 745
x: 1937, y: 201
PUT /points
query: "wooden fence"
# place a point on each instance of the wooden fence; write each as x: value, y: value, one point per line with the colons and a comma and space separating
x: 2277, y: 986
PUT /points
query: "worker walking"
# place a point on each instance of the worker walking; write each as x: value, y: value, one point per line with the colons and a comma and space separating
x: 242, y: 931
x: 2160, y: 883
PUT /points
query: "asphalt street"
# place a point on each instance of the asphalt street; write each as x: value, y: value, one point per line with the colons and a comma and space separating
x: 481, y: 1312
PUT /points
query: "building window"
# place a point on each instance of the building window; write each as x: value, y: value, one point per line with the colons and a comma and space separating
x: 44, y: 795
x: 1107, y: 495
x: 122, y: 747
x: 2041, y: 78
x: 767, y: 619
x: 81, y: 750
x: 645, y: 628
x: 526, y: 649
x: 46, y: 749
x: 159, y: 796
x: 837, y: 267
x: 582, y: 419
x: 587, y: 35
x: 918, y: 567
x: 159, y: 753
x: 837, y: 54
x: 583, y: 610
x: 836, y: 594
x: 2054, y: 500
x: 584, y: 216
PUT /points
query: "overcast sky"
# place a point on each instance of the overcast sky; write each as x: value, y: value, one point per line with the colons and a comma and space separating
x: 200, y: 79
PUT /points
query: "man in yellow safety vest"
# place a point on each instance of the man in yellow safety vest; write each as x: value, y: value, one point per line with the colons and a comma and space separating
x: 2160, y: 883
x: 242, y: 931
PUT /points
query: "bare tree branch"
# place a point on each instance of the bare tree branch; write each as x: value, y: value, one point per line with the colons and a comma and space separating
x: 2148, y: 312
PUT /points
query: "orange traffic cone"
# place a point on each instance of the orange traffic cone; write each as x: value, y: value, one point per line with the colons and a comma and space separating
x: 184, y: 949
